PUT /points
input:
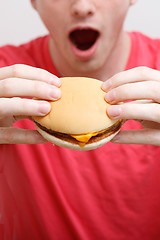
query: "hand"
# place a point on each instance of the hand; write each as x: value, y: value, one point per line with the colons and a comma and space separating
x: 17, y: 83
x: 142, y: 85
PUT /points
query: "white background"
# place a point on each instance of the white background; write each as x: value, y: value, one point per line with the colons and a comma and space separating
x: 20, y: 23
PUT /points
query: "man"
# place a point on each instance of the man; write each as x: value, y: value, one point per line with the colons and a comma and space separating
x: 54, y: 193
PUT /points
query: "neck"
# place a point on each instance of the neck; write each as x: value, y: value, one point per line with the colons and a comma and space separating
x: 117, y: 59
x: 115, y: 62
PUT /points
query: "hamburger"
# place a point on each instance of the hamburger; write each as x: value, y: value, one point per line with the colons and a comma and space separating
x: 78, y: 120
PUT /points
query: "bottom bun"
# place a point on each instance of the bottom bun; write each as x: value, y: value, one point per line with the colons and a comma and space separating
x: 65, y: 144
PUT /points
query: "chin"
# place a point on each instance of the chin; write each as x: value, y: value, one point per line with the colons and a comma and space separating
x: 90, y: 67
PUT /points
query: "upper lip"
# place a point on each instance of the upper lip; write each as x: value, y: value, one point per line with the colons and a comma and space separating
x: 81, y: 27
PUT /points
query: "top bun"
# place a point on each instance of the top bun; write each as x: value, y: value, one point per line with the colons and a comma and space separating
x: 81, y: 109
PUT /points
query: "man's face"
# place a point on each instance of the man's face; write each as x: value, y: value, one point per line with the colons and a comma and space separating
x: 83, y: 32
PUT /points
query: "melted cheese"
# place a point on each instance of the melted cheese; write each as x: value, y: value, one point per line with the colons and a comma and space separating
x: 84, y: 138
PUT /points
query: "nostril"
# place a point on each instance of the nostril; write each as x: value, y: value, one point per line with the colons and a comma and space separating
x: 82, y: 13
x: 90, y: 13
x: 75, y: 13
x: 82, y: 9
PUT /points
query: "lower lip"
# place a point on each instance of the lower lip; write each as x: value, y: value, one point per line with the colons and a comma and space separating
x: 85, y: 54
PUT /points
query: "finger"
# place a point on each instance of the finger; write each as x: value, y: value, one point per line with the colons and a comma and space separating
x: 149, y: 124
x: 141, y: 102
x: 142, y: 136
x: 141, y: 90
x: 28, y: 72
x: 131, y: 76
x: 23, y: 107
x: 12, y: 87
x: 20, y: 136
x: 149, y: 112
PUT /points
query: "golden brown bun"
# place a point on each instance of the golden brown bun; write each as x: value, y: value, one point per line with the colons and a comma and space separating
x: 81, y: 109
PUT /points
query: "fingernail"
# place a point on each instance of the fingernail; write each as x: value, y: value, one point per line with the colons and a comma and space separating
x: 110, y: 96
x: 114, y: 111
x: 55, y: 80
x: 106, y: 85
x: 44, y: 108
x: 55, y: 93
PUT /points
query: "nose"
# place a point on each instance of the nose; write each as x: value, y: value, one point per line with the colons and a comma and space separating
x: 82, y: 8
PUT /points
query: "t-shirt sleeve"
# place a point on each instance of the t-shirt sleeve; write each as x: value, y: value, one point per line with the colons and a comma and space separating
x: 157, y: 55
x: 10, y: 55
x: 3, y: 60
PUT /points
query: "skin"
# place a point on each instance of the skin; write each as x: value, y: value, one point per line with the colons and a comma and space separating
x: 24, y: 81
x: 86, y: 13
x: 141, y: 83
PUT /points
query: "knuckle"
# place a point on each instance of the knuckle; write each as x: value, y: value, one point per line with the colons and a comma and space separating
x: 44, y: 75
x: 121, y: 91
x: 27, y: 136
x: 25, y: 106
x: 7, y: 136
x: 154, y: 89
x: 143, y: 72
x: 3, y: 107
x: 16, y: 70
x: 5, y: 87
x: 2, y: 112
x: 116, y: 78
x: 11, y: 136
x: 39, y: 88
x: 156, y: 114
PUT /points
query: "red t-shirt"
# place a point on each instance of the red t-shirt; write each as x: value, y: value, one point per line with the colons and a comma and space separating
x: 52, y: 193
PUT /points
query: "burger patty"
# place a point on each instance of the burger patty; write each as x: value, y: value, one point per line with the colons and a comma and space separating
x: 69, y: 138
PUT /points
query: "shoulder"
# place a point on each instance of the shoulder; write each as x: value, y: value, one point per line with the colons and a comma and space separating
x: 26, y: 53
x: 145, y: 50
x: 144, y: 40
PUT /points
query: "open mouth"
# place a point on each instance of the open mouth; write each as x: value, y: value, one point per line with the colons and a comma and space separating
x: 84, y: 39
